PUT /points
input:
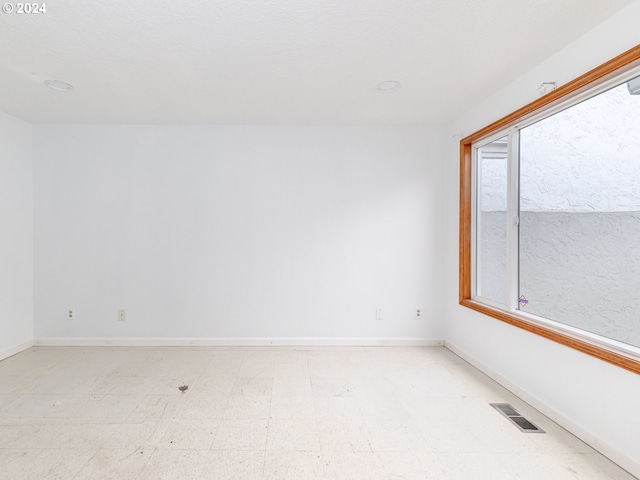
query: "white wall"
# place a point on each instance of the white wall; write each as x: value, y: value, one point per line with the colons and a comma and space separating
x: 16, y: 239
x: 587, y: 395
x: 246, y: 233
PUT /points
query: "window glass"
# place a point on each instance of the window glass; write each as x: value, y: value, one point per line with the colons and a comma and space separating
x: 491, y: 218
x: 579, y: 236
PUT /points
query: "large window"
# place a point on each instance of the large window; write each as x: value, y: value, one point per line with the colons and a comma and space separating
x: 550, y: 215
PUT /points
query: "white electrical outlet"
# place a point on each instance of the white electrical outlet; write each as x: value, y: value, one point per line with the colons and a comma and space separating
x: 378, y: 313
x: 418, y: 312
x: 122, y: 315
x: 71, y: 314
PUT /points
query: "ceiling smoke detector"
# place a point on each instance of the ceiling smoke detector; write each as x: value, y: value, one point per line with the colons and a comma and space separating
x: 59, y: 86
x: 388, y: 86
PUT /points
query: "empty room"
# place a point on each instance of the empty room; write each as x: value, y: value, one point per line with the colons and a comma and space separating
x: 273, y: 240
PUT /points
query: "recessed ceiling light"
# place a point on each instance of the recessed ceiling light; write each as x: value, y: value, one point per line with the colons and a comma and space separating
x: 388, y: 86
x: 59, y: 86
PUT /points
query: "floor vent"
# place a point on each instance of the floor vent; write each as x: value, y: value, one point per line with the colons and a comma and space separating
x: 516, y: 418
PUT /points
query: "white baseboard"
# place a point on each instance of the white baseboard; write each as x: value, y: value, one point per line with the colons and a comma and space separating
x: 12, y: 351
x: 237, y: 342
x: 614, y: 454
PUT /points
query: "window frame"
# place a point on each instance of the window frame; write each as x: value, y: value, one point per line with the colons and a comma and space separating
x: 610, y: 351
x: 476, y: 284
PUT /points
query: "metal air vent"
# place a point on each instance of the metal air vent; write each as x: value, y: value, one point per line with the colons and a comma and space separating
x: 516, y: 418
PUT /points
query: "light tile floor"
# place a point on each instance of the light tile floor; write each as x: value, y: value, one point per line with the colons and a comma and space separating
x: 273, y: 414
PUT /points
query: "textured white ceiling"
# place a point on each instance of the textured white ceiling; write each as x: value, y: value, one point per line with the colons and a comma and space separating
x: 276, y: 61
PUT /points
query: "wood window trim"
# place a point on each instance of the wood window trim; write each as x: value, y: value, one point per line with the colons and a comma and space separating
x: 614, y: 67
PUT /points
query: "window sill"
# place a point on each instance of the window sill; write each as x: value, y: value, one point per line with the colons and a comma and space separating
x: 608, y: 355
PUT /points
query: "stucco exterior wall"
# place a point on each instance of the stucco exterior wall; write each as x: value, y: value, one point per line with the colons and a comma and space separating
x: 584, y: 159
x: 580, y: 269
